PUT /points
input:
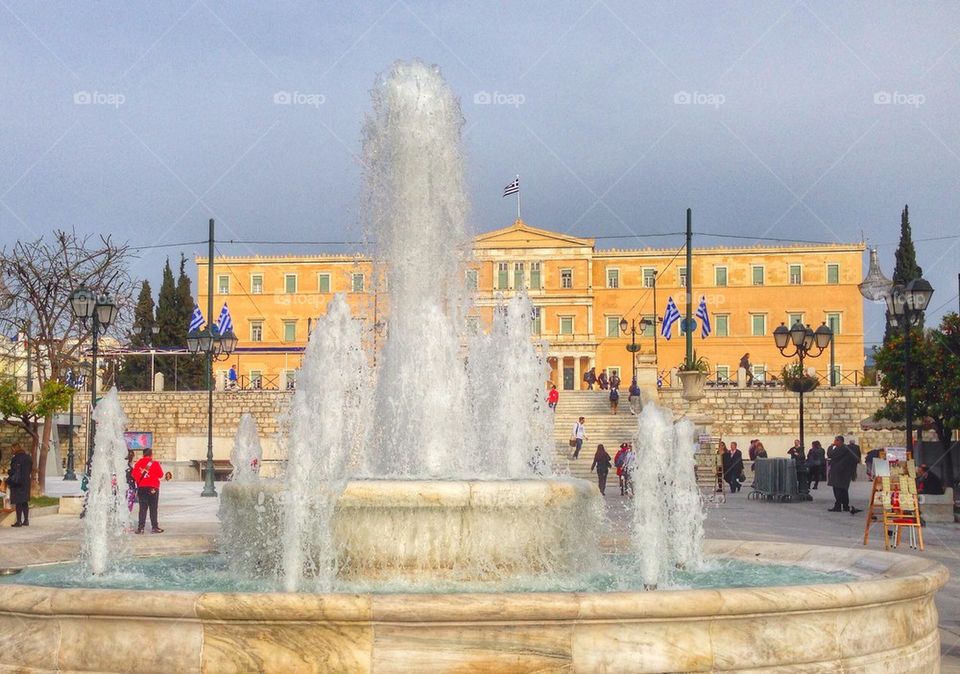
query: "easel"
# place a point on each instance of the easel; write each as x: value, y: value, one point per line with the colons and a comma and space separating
x: 893, y: 502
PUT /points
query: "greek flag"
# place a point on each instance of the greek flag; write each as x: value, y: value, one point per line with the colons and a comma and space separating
x: 512, y: 188
x: 225, y: 323
x: 704, y: 317
x: 196, y: 319
x: 670, y: 316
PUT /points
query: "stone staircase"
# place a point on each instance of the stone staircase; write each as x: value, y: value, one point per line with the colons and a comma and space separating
x: 602, y: 427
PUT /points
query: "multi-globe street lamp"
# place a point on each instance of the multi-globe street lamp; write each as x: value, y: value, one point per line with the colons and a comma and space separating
x: 215, y: 346
x: 905, y: 307
x: 633, y: 347
x: 805, y: 343
x: 102, y: 311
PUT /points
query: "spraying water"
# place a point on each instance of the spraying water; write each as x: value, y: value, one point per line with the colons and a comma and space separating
x: 668, y: 512
x: 247, y: 452
x: 328, y: 424
x: 106, y: 514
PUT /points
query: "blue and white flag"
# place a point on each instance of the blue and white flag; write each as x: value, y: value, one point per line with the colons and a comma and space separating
x: 704, y: 317
x: 196, y: 319
x: 670, y: 316
x: 512, y: 188
x: 225, y: 323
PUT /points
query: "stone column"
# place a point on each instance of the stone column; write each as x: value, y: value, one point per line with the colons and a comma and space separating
x: 577, y: 378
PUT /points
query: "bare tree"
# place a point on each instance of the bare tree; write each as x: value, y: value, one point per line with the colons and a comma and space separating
x: 37, y: 278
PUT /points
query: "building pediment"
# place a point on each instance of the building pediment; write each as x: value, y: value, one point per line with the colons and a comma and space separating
x: 521, y: 235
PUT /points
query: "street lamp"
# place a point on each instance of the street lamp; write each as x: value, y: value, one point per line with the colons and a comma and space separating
x: 805, y: 342
x: 101, y: 310
x: 215, y: 346
x: 633, y: 347
x: 75, y: 381
x: 905, y: 307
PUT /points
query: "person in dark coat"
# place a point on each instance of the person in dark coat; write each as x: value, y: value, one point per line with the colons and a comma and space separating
x: 601, y: 462
x: 817, y: 463
x: 928, y: 482
x: 843, y: 468
x: 733, y: 467
x: 18, y: 484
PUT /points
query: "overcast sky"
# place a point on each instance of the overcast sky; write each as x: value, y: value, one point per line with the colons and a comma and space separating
x: 804, y: 120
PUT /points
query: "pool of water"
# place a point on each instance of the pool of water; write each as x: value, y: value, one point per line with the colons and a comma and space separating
x: 210, y: 573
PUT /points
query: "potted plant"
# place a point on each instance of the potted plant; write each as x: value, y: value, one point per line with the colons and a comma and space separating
x: 796, y: 380
x: 693, y: 375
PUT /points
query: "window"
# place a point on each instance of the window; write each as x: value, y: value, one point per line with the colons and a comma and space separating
x: 833, y: 274
x: 759, y: 372
x: 613, y: 277
x: 566, y: 325
x: 566, y: 278
x: 518, y: 277
x: 613, y: 326
x: 289, y: 283
x: 473, y: 325
x: 536, y: 322
x: 503, y: 278
x: 683, y: 276
x: 759, y: 324
x: 796, y: 274
x: 290, y: 379
x: 720, y: 276
x: 723, y: 372
x: 471, y: 279
x: 650, y: 326
x: 357, y: 283
x: 649, y: 277
x: 289, y: 331
x: 256, y: 331
x: 256, y: 284
x: 323, y: 283
x: 256, y: 379
x: 223, y: 285
x: 721, y: 324
x: 792, y: 319
x: 757, y: 275
x: 535, y: 276
x: 833, y: 321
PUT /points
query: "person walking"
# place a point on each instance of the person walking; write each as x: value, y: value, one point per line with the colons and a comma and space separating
x: 147, y: 473
x: 603, y: 380
x: 601, y: 462
x: 817, y: 463
x: 232, y: 378
x: 745, y: 364
x: 18, y: 484
x: 614, y: 400
x: 553, y: 397
x: 733, y: 467
x: 618, y: 462
x: 579, y: 434
x: 721, y: 452
x: 843, y: 468
x: 590, y: 376
x: 615, y: 380
x: 634, y: 396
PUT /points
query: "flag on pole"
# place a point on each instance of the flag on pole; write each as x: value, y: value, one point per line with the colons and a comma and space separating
x: 670, y: 316
x: 196, y: 319
x: 704, y: 317
x: 512, y: 188
x: 225, y: 323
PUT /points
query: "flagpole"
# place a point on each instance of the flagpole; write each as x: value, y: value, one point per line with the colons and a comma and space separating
x: 689, y: 320
x: 518, y: 196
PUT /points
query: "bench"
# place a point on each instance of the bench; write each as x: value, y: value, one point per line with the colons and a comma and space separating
x: 222, y: 468
x: 937, y: 507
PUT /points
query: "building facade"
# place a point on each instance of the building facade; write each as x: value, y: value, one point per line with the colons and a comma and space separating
x: 580, y: 294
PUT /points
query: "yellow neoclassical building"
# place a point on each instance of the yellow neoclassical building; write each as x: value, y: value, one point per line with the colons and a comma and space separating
x: 580, y: 292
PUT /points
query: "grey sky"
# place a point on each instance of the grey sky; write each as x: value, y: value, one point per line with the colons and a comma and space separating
x: 787, y: 132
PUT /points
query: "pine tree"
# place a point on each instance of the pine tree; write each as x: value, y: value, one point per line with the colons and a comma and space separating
x: 906, y: 269
x: 192, y: 368
x: 168, y: 323
x: 134, y: 374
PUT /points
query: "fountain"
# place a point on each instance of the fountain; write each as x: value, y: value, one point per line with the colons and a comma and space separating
x: 419, y: 525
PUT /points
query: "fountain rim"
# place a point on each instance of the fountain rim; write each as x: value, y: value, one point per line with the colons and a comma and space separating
x: 884, y: 578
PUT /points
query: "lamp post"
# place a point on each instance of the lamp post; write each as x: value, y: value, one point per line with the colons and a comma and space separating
x: 633, y: 347
x: 905, y: 307
x: 806, y: 343
x: 215, y: 346
x: 74, y: 381
x: 101, y: 310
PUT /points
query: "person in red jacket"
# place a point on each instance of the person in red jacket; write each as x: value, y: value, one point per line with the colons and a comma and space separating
x: 553, y: 397
x: 147, y: 474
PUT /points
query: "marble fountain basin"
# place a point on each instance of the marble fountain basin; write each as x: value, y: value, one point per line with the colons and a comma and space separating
x: 883, y: 619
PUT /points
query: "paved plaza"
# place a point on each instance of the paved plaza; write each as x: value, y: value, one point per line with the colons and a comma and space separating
x: 191, y: 520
